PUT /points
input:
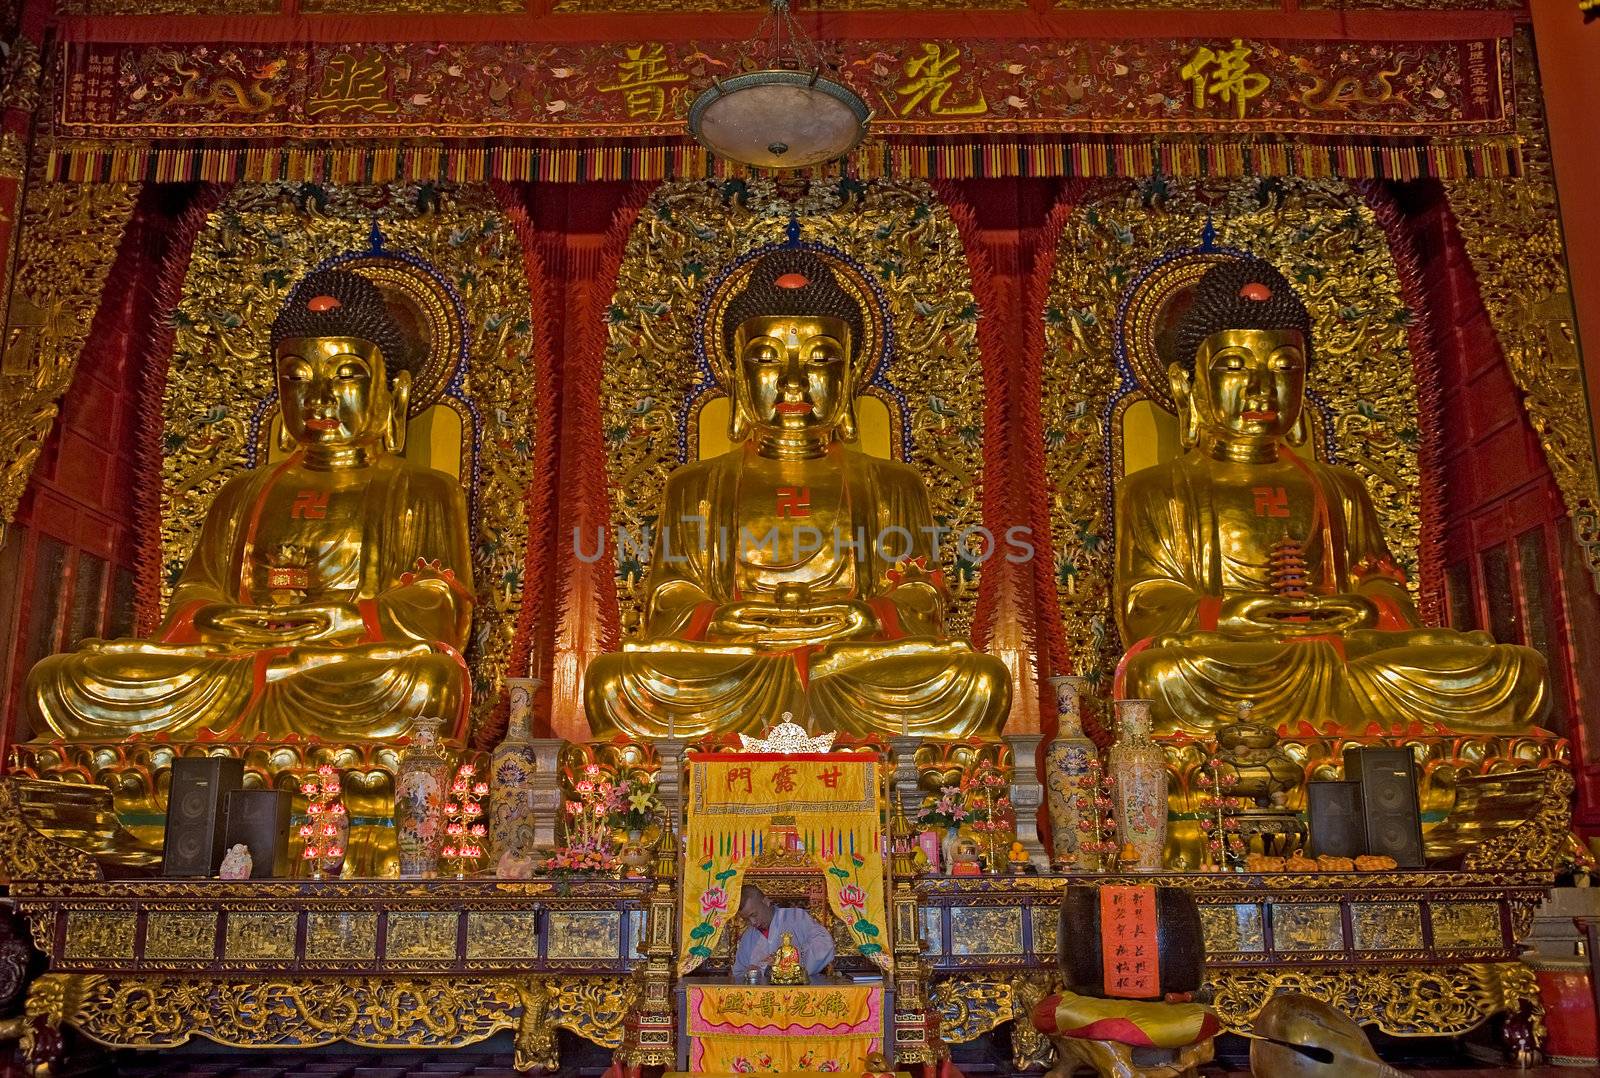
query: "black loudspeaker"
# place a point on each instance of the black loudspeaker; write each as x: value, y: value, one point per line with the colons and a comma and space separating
x: 1337, y: 828
x: 1388, y: 780
x: 260, y: 820
x: 194, y: 813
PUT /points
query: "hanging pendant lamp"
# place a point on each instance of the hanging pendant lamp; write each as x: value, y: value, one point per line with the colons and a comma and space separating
x: 785, y: 114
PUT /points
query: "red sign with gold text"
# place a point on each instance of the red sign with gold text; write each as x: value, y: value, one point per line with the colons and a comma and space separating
x: 915, y: 86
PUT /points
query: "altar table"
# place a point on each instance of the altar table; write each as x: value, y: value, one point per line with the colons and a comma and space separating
x: 826, y: 1026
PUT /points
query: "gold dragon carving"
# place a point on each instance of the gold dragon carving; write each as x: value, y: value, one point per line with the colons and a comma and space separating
x: 380, y: 1012
x: 68, y: 240
x: 1512, y: 233
x: 1428, y: 1001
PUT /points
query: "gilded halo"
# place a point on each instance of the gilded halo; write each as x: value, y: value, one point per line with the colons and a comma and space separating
x: 1152, y: 307
x: 429, y: 313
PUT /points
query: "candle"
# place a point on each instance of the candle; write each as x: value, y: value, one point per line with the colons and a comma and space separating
x: 905, y: 728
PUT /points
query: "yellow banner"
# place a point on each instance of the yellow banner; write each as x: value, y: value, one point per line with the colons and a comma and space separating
x: 826, y: 805
x: 779, y: 1055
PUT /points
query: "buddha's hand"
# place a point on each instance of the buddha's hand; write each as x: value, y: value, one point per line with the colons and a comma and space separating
x: 786, y: 625
x: 1310, y: 615
x: 230, y: 623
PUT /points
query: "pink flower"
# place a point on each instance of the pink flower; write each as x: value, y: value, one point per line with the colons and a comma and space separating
x: 715, y: 900
x: 852, y: 897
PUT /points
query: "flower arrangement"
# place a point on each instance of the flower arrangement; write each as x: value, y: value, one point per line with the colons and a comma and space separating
x: 630, y: 806
x: 464, y: 828
x: 968, y: 804
x: 576, y: 861
x: 1097, y: 843
x: 1224, y: 842
x: 325, y: 821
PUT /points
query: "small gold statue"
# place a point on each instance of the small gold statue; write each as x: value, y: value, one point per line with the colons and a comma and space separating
x: 787, y: 967
x: 329, y: 595
x: 1248, y: 570
x: 794, y: 570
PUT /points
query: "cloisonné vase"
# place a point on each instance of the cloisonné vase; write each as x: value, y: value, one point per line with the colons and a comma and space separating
x: 511, y: 769
x: 1066, y: 761
x: 1138, y: 768
x: 420, y: 783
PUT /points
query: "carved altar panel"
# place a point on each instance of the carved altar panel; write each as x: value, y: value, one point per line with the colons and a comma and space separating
x: 177, y: 935
x: 1364, y: 403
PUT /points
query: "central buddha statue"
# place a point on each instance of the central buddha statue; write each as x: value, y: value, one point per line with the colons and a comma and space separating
x: 329, y: 595
x: 1248, y: 572
x: 794, y: 572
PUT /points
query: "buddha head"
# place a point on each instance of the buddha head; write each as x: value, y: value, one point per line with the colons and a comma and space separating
x: 341, y: 367
x: 792, y: 338
x: 1243, y: 350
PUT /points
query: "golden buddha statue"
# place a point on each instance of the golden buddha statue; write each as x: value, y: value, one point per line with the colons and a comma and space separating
x: 329, y: 595
x: 1248, y: 571
x: 794, y: 572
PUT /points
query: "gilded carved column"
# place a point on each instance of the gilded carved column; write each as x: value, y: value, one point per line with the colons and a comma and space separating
x: 1512, y: 233
x: 68, y: 240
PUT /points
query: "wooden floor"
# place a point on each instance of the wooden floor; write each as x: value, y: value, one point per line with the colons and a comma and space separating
x: 210, y: 1062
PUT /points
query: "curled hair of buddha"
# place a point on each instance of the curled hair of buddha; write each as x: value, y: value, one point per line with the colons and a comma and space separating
x: 792, y: 282
x: 1243, y: 293
x: 341, y: 303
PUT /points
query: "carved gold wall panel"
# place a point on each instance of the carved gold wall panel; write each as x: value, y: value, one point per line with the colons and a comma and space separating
x: 1512, y: 234
x: 254, y: 247
x: 932, y: 386
x: 1321, y: 234
x: 68, y: 240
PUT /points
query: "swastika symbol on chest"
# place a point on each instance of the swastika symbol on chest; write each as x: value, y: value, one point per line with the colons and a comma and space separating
x: 793, y: 501
x: 1271, y: 501
x: 309, y: 505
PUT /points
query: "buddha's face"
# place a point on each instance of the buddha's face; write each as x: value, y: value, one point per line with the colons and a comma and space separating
x: 793, y: 371
x: 1250, y: 383
x: 332, y: 390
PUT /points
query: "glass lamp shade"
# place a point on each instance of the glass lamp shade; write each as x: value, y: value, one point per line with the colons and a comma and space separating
x: 779, y: 119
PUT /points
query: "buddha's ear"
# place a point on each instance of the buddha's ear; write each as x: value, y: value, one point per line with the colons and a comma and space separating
x: 285, y: 439
x: 394, y: 432
x: 847, y: 415
x: 1300, y: 433
x: 738, y: 419
x: 1179, y: 383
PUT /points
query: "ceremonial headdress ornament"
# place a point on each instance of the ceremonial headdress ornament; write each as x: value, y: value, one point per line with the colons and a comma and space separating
x: 1241, y: 293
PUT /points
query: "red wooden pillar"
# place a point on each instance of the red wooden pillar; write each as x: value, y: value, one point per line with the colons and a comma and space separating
x: 1569, y: 69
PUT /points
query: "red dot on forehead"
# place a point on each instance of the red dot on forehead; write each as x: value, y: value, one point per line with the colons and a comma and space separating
x: 322, y: 303
x: 1256, y: 291
x: 792, y: 280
